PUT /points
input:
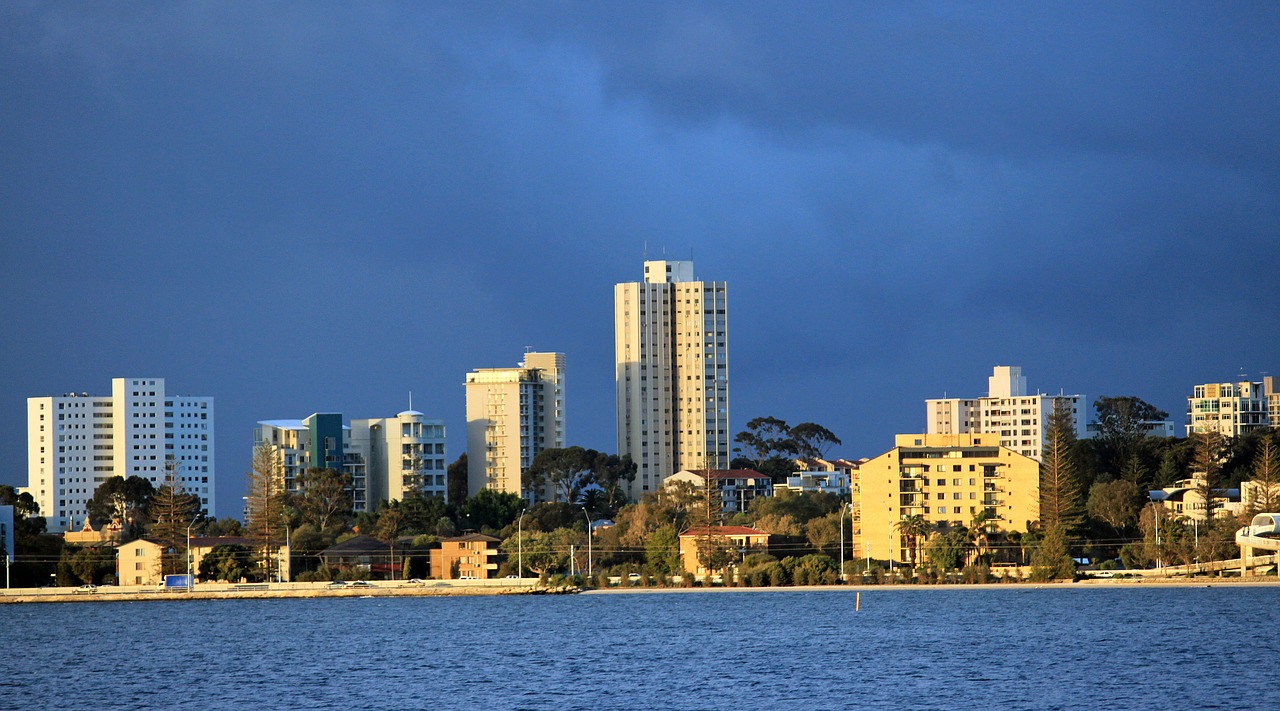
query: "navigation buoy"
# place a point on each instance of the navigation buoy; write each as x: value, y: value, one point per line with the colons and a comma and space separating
x: 857, y: 602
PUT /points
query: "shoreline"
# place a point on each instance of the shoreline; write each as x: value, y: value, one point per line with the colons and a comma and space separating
x: 1059, y: 585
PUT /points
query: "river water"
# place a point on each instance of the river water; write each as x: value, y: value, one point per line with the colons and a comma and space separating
x: 1165, y: 648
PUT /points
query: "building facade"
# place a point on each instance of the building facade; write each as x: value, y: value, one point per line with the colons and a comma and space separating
x: 76, y: 442
x: 740, y: 541
x: 386, y: 458
x: 1234, y: 409
x: 473, y: 556
x: 671, y: 351
x: 512, y: 414
x: 945, y: 479
x: 1020, y: 420
x: 737, y: 487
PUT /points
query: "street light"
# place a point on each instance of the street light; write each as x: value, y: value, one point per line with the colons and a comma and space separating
x: 188, y: 557
x: 584, y: 513
x: 843, y: 510
x: 520, y: 544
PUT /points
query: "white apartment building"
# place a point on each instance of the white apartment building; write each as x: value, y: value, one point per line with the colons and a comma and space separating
x: 76, y: 442
x: 512, y: 414
x: 1021, y: 420
x: 386, y: 458
x: 671, y: 356
x: 1234, y: 409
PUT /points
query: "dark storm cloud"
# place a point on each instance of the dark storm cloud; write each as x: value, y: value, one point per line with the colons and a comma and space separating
x: 354, y: 202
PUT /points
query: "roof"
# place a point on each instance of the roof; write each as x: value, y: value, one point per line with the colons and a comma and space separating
x: 410, y: 413
x: 357, y: 545
x: 471, y: 537
x: 724, y: 531
x: 729, y: 473
x: 211, y: 541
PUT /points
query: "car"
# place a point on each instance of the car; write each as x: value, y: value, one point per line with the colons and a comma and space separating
x: 513, y: 577
x: 633, y: 577
x: 359, y: 584
x: 466, y: 577
x: 336, y: 584
x: 415, y: 581
x: 87, y: 589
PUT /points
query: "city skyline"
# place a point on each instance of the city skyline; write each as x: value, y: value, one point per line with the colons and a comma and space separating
x: 229, y: 199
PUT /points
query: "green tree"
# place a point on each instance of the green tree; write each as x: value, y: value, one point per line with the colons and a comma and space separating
x: 490, y: 509
x: 824, y: 533
x: 1115, y: 502
x: 1265, y: 485
x: 913, y: 529
x: 89, y: 564
x: 949, y: 551
x: 264, y: 508
x: 456, y: 480
x: 1060, y: 503
x: 390, y: 525
x: 1207, y: 466
x: 1135, y: 471
x: 566, y: 470
x: 123, y: 500
x: 765, y: 437
x: 613, y: 474
x: 172, y: 511
x: 1052, y: 558
x: 1121, y: 426
x: 662, y: 551
x: 812, y: 440
x: 226, y: 561
x: 323, y: 497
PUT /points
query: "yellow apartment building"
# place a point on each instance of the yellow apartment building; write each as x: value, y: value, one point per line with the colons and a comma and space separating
x: 946, y: 479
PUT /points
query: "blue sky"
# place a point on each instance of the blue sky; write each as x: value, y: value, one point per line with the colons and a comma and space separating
x: 299, y: 208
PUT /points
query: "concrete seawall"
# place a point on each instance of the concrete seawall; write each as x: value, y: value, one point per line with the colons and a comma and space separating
x: 263, y: 591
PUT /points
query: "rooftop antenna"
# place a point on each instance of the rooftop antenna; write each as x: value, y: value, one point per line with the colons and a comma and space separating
x: 646, y: 250
x: 411, y: 400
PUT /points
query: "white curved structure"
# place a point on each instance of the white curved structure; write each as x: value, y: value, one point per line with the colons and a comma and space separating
x: 1262, y: 533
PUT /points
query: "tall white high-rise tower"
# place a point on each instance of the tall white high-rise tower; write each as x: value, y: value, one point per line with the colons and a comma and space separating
x: 671, y: 356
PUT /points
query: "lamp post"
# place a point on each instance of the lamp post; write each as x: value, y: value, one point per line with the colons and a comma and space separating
x: 843, y: 510
x: 584, y: 513
x: 188, y: 557
x: 520, y: 544
x: 287, y: 561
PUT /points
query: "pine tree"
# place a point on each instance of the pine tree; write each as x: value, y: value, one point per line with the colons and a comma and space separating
x: 172, y: 511
x: 1207, y: 467
x: 264, y: 520
x: 1060, y: 496
x: 1266, y: 477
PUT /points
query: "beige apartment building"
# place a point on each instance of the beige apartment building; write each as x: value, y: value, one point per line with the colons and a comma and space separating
x: 512, y: 414
x: 1019, y: 419
x: 1234, y: 409
x: 672, y: 373
x: 946, y: 479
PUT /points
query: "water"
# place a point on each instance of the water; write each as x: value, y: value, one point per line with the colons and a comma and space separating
x: 992, y: 648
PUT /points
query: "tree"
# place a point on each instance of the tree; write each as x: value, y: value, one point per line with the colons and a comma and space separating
x: 824, y: 533
x: 567, y: 470
x: 1266, y: 477
x: 264, y: 519
x: 662, y: 551
x: 765, y: 437
x: 123, y: 500
x: 812, y: 440
x: 613, y: 474
x: 323, y: 497
x: 1120, y: 422
x: 1207, y: 465
x: 172, y: 512
x: 1059, y: 488
x: 1135, y: 471
x: 456, y: 478
x: 1115, y: 502
x: 1052, y: 558
x: 390, y: 523
x: 490, y: 509
x: 913, y: 529
x: 950, y: 551
x: 225, y: 561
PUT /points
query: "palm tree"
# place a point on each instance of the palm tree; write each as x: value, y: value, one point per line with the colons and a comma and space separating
x: 914, y: 529
x: 979, y: 527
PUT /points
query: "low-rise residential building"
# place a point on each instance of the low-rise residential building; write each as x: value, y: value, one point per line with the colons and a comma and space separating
x: 1234, y: 409
x: 140, y: 563
x: 738, y: 487
x: 946, y: 480
x: 1184, y: 499
x: 365, y: 554
x: 738, y: 541
x: 473, y: 556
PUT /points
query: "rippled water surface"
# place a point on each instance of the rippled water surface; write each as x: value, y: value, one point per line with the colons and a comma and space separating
x: 994, y: 648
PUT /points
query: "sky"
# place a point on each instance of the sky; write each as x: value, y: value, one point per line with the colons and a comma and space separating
x: 300, y: 208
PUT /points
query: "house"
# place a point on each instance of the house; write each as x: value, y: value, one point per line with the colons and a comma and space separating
x: 1184, y: 499
x: 202, y: 545
x: 820, y: 475
x: 738, y: 487
x: 738, y: 541
x: 139, y: 563
x: 472, y: 556
x: 363, y: 553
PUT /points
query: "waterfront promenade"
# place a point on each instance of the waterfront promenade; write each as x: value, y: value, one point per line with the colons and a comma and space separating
x: 225, y: 591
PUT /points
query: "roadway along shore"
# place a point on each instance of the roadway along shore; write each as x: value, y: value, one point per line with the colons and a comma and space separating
x: 267, y: 591
x: 1094, y: 584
